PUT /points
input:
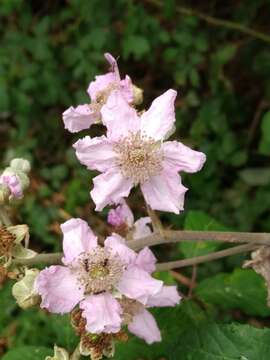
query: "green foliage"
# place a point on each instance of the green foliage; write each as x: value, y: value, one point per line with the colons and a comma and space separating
x: 243, y: 290
x: 28, y: 353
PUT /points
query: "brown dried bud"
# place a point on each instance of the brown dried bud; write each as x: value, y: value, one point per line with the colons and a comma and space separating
x: 3, y: 275
x: 7, y: 241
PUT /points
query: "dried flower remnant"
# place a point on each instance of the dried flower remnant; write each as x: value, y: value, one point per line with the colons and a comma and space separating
x: 134, y: 153
x: 99, y: 90
x: 260, y: 262
x: 24, y: 290
x: 59, y: 354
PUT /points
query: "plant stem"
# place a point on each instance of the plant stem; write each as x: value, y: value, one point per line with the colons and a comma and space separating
x: 216, y: 21
x: 205, y: 258
x: 172, y: 236
x: 47, y: 259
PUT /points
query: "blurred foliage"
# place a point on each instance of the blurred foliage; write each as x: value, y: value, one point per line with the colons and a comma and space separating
x: 50, y: 51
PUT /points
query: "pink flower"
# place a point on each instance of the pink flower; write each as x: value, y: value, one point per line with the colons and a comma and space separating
x: 134, y: 153
x: 122, y: 215
x: 90, y: 277
x: 139, y: 320
x: 13, y: 183
x: 83, y: 116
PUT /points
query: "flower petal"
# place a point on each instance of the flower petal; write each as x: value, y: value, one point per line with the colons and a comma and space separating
x: 95, y: 153
x: 137, y: 284
x: 141, y: 228
x: 79, y: 118
x: 160, y: 118
x: 165, y: 192
x: 182, y: 158
x: 119, y: 118
x: 145, y: 327
x: 102, y: 313
x: 146, y: 260
x: 110, y: 188
x: 114, y: 67
x: 59, y: 289
x: 121, y: 215
x: 118, y: 246
x: 100, y: 84
x: 78, y: 238
x: 168, y: 296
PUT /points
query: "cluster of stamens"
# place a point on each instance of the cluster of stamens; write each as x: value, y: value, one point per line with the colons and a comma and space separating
x: 99, y: 270
x: 139, y: 157
x: 7, y: 240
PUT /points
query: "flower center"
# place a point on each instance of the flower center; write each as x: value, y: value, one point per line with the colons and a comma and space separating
x: 139, y: 157
x: 6, y: 241
x: 99, y: 270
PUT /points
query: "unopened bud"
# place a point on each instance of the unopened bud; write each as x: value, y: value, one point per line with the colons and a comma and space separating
x: 137, y: 95
x: 59, y: 354
x: 22, y: 165
x: 24, y: 290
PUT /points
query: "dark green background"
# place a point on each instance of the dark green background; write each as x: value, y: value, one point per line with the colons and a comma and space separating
x: 51, y: 50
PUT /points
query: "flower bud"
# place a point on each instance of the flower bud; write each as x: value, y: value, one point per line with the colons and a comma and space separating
x: 24, y: 290
x: 20, y: 165
x: 59, y: 354
x: 4, y: 193
x: 137, y: 95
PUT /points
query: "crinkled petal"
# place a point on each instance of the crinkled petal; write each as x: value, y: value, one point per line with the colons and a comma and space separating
x: 182, y: 158
x: 100, y: 84
x: 126, y: 88
x: 78, y: 238
x: 141, y: 228
x: 137, y: 284
x: 145, y: 327
x: 102, y: 313
x: 168, y: 296
x: 79, y: 118
x: 95, y: 153
x: 59, y: 289
x: 146, y: 260
x: 160, y: 118
x: 119, y: 118
x: 117, y: 244
x: 109, y: 188
x: 165, y: 192
x: 114, y: 67
x: 121, y: 215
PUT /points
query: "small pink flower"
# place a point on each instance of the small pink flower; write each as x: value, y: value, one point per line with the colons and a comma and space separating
x: 13, y: 183
x: 91, y: 276
x: 83, y: 116
x: 122, y: 215
x: 134, y: 153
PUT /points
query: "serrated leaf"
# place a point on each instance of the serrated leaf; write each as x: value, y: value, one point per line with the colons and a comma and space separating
x: 198, y: 220
x: 243, y: 289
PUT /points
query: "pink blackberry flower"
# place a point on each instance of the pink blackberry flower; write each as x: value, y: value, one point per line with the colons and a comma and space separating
x: 123, y: 216
x: 83, y: 116
x: 134, y: 153
x: 96, y: 278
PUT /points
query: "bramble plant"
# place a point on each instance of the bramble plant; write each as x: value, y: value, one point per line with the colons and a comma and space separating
x: 108, y: 286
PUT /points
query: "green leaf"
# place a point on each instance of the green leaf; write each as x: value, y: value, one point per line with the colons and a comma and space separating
x: 136, y: 45
x: 242, y: 289
x: 264, y: 145
x: 198, y: 220
x: 187, y: 334
x: 28, y: 353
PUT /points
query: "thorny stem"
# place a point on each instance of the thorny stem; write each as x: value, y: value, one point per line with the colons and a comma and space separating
x: 205, y: 258
x: 216, y: 21
x: 253, y: 240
